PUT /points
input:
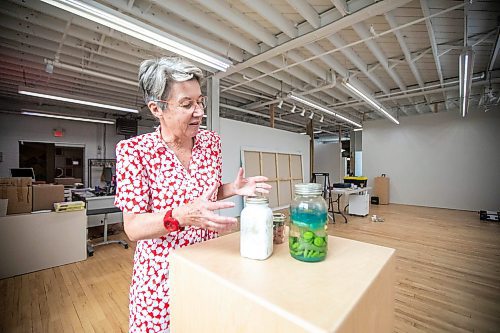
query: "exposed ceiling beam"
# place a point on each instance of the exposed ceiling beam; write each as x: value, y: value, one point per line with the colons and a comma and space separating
x: 198, y: 17
x: 251, y: 28
x: 363, y: 32
x: 307, y: 11
x: 271, y: 14
x: 406, y: 51
x: 341, y: 6
x: 349, y: 53
x: 247, y: 63
x: 345, y: 22
x: 494, y: 52
x: 432, y: 39
x: 224, y: 10
x: 175, y: 25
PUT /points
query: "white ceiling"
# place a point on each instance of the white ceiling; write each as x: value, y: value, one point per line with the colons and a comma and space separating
x: 330, y: 39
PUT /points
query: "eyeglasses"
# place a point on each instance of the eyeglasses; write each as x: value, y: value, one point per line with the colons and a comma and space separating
x: 188, y: 104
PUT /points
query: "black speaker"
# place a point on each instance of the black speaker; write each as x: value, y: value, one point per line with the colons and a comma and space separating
x: 374, y: 200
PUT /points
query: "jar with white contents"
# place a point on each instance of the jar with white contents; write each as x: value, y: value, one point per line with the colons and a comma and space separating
x: 256, y: 221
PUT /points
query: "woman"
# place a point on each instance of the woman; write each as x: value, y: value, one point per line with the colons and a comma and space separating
x: 169, y: 184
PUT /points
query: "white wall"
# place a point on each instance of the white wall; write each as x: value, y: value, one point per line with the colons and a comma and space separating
x: 327, y: 158
x: 437, y: 160
x: 236, y: 135
x: 15, y: 128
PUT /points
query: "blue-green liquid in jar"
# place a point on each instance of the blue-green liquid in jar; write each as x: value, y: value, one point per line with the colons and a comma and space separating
x: 308, y: 240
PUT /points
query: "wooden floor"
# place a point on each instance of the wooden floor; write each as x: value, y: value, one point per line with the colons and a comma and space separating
x: 448, y: 278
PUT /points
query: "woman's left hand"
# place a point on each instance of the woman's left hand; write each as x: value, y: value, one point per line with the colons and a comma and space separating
x: 250, y: 186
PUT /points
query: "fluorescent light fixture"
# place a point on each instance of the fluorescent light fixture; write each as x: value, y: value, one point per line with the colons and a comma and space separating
x: 370, y: 101
x: 203, y: 127
x: 466, y: 67
x: 311, y: 116
x: 280, y: 104
x: 48, y: 115
x: 321, y: 108
x: 293, y: 108
x: 315, y: 132
x: 303, y: 113
x: 101, y: 14
x: 29, y: 92
x: 357, y: 129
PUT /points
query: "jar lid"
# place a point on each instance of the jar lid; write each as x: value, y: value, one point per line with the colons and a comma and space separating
x: 279, y: 217
x: 308, y: 189
x: 257, y: 200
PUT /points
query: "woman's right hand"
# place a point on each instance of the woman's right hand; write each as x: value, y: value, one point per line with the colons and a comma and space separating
x: 200, y: 213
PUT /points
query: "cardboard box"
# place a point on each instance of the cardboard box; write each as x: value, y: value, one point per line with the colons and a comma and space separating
x: 69, y: 181
x: 381, y: 189
x: 44, y: 196
x: 20, y: 198
x: 16, y: 181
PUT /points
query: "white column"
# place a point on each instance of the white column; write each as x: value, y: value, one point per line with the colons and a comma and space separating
x: 213, y: 119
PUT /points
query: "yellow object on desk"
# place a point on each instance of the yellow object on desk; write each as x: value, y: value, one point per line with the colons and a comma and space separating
x: 72, y: 206
x: 352, y: 290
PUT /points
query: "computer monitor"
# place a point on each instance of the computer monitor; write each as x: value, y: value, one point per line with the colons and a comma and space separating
x: 22, y: 172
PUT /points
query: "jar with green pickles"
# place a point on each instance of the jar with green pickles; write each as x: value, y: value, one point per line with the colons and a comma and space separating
x: 308, y: 239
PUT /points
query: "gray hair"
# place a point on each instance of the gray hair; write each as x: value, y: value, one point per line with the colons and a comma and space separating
x: 157, y: 75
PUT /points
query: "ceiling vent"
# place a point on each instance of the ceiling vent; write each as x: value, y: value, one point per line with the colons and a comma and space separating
x: 127, y: 127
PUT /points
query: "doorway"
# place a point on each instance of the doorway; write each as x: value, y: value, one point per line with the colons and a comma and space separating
x: 50, y: 161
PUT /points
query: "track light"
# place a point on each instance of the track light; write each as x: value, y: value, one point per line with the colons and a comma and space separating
x: 280, y: 104
x: 322, y: 118
x: 34, y: 93
x: 369, y: 100
x: 466, y: 68
x: 28, y: 112
x: 110, y: 18
x: 303, y: 113
x: 293, y: 108
x: 311, y: 116
x: 321, y: 108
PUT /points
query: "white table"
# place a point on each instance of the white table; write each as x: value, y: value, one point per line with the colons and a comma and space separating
x: 103, y: 205
x: 339, y: 192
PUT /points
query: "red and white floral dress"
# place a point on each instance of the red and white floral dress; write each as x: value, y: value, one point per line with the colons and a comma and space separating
x: 150, y: 178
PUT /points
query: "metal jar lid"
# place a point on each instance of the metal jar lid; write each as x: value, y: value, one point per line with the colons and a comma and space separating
x: 308, y: 189
x: 257, y: 200
x: 279, y: 218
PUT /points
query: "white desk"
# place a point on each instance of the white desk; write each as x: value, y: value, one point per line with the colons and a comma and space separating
x: 103, y: 205
x: 339, y: 192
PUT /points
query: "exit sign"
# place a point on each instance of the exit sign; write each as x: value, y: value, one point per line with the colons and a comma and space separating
x: 58, y: 133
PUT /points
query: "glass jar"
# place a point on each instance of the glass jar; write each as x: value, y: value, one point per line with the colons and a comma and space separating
x: 256, y: 224
x: 278, y: 228
x: 308, y: 239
